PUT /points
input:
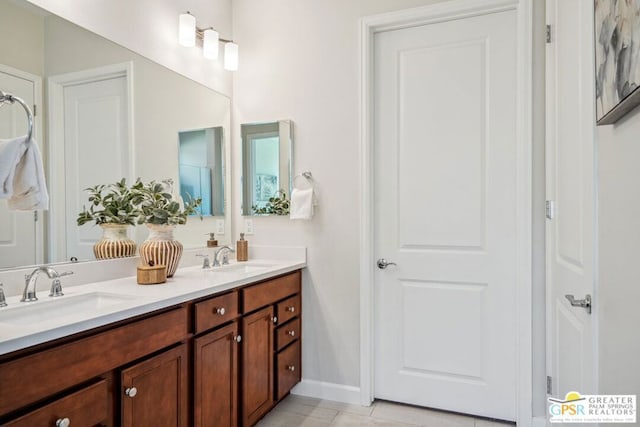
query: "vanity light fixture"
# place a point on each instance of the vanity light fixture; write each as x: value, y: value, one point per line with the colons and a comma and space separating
x: 187, y: 30
x: 189, y: 34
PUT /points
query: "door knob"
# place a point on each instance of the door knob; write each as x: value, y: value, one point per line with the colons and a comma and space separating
x: 584, y: 303
x: 383, y: 263
x: 131, y: 392
x: 63, y: 422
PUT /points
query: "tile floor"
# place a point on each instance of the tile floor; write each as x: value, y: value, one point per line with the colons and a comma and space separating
x: 298, y: 411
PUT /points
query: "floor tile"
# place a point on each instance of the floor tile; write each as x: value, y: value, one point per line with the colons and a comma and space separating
x: 348, y: 420
x: 278, y: 418
x: 330, y: 404
x: 419, y: 416
x: 307, y: 408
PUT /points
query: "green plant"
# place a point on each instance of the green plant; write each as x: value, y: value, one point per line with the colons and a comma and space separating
x: 110, y: 204
x: 277, y: 205
x: 157, y: 206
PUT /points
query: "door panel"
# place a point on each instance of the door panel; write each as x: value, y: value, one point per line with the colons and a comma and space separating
x: 570, y: 160
x: 445, y: 204
x: 96, y: 150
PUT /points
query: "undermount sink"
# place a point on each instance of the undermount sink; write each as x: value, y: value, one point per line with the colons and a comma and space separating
x: 242, y: 267
x: 48, y: 309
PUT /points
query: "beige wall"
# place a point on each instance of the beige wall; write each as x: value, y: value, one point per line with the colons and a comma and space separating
x: 618, y: 293
x: 19, y: 23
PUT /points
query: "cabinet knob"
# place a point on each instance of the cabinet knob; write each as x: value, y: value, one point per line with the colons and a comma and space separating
x: 292, y: 333
x: 63, y: 422
x: 221, y: 311
x: 291, y: 368
x: 237, y: 338
x: 131, y: 391
x: 274, y: 319
x: 291, y: 309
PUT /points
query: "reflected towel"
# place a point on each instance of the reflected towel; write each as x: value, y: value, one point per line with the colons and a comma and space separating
x: 302, y: 202
x: 22, y: 175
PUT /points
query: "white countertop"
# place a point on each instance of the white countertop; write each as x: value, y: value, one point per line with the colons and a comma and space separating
x: 23, y: 325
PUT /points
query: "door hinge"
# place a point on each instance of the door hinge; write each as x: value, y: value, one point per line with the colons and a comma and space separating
x: 550, y: 209
x: 548, y: 33
x: 35, y: 110
x: 549, y: 385
x: 35, y: 216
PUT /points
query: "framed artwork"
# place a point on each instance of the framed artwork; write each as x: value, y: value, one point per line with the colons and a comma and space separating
x: 617, y: 58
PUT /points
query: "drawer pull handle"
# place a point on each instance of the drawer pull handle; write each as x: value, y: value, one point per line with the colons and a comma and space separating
x: 291, y: 368
x: 221, y: 311
x: 291, y: 309
x: 274, y: 319
x: 131, y: 391
x: 237, y: 338
x: 292, y: 333
x: 63, y: 422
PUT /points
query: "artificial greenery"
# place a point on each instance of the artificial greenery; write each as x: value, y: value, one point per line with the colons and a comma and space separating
x: 157, y: 206
x: 276, y: 205
x: 110, y: 204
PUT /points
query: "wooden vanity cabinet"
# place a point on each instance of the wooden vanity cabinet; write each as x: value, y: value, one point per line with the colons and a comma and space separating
x: 154, y: 391
x: 271, y: 344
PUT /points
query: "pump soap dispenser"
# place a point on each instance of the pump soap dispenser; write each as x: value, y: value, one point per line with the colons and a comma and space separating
x: 242, y: 249
x: 212, y: 242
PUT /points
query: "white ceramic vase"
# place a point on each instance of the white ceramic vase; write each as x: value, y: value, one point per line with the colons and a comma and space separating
x: 161, y: 248
x: 115, y: 243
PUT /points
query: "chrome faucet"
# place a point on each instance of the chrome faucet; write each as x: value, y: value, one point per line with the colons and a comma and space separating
x: 205, y: 260
x: 29, y: 293
x: 225, y: 256
x: 3, y: 301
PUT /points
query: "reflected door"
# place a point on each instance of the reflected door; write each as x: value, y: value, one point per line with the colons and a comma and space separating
x: 19, y: 242
x: 96, y: 148
x: 445, y: 212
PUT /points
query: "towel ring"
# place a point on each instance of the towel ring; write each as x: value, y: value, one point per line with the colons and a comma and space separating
x: 10, y: 99
x: 306, y: 175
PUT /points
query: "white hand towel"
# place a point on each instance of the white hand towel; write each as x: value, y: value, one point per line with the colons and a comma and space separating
x: 302, y: 202
x: 22, y: 175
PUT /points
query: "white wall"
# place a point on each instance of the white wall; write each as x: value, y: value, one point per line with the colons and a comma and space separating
x: 150, y: 28
x: 18, y: 23
x: 618, y: 294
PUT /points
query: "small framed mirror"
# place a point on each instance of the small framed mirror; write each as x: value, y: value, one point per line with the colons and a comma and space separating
x: 201, y: 168
x: 266, y: 163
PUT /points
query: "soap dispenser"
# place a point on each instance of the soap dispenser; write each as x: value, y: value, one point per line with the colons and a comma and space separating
x: 212, y: 242
x: 242, y: 249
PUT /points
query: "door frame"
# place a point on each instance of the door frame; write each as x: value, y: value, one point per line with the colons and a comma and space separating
x: 38, y: 135
x: 55, y: 116
x: 440, y: 12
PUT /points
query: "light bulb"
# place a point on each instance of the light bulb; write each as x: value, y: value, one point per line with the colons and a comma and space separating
x: 231, y: 56
x: 210, y: 44
x: 187, y: 30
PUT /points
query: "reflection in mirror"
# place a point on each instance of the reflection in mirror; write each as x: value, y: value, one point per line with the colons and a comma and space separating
x: 103, y: 113
x: 202, y: 168
x: 266, y: 163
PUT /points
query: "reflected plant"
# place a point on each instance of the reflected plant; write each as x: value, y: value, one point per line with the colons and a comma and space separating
x: 276, y: 205
x: 110, y: 204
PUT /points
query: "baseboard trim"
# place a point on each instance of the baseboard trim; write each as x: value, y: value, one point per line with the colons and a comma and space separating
x: 328, y: 391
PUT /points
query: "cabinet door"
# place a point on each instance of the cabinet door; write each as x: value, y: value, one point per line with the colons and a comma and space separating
x: 154, y: 391
x: 216, y: 378
x: 257, y: 365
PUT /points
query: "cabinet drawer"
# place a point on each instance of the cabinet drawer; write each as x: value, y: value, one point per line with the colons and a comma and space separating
x: 288, y: 333
x: 287, y: 369
x: 86, y: 407
x: 216, y: 311
x: 288, y: 309
x: 270, y: 291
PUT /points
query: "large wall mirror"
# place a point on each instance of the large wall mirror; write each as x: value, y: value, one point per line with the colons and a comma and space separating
x: 266, y: 163
x: 103, y: 113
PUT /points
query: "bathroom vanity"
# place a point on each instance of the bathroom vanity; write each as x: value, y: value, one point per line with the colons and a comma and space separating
x: 209, y: 349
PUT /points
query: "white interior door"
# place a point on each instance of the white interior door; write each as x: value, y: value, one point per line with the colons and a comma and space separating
x: 19, y: 242
x: 445, y: 212
x: 96, y: 148
x: 571, y: 186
